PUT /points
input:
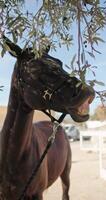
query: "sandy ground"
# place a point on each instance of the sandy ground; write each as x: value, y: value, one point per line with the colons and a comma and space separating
x: 86, y: 183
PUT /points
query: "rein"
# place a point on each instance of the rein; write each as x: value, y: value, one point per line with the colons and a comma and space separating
x: 61, y: 118
x: 51, y: 140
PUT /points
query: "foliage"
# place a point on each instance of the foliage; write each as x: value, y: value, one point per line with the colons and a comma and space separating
x: 52, y: 24
x: 1, y: 88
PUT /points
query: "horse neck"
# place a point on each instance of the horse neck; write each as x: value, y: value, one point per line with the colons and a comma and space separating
x: 19, y: 138
x: 21, y: 133
x: 8, y: 123
x: 16, y: 131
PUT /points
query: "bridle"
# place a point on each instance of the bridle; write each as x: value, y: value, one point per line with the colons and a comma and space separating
x: 47, y: 97
x: 47, y: 93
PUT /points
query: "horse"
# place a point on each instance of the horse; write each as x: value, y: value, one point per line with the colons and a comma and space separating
x: 38, y: 84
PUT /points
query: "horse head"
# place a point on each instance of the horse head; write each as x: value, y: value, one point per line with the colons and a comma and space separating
x: 44, y: 84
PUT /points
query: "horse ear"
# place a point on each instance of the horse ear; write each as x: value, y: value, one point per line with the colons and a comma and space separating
x: 13, y: 49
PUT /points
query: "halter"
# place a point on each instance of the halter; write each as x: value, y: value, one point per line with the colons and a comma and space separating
x: 47, y: 94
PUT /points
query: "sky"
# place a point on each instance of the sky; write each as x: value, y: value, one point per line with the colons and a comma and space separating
x: 7, y: 65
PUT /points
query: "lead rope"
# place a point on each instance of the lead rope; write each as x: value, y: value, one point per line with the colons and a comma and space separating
x: 53, y: 118
x: 50, y: 142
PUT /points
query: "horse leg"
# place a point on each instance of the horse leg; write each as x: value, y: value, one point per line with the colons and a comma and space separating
x: 65, y: 178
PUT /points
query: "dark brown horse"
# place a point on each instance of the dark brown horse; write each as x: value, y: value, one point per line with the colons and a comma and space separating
x: 38, y: 84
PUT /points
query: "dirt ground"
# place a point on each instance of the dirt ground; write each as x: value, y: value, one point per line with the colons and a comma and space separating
x: 86, y: 183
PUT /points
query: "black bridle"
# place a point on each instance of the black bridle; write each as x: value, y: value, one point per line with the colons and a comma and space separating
x: 47, y: 94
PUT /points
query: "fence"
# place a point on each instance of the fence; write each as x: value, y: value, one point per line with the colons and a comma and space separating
x: 97, y: 143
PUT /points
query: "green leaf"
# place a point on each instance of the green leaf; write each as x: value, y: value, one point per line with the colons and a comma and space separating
x: 99, y: 83
x: 1, y: 88
x: 82, y: 75
x: 97, y: 39
x: 72, y: 61
x: 82, y: 57
x: 2, y: 52
x: 91, y: 54
x: 15, y: 38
